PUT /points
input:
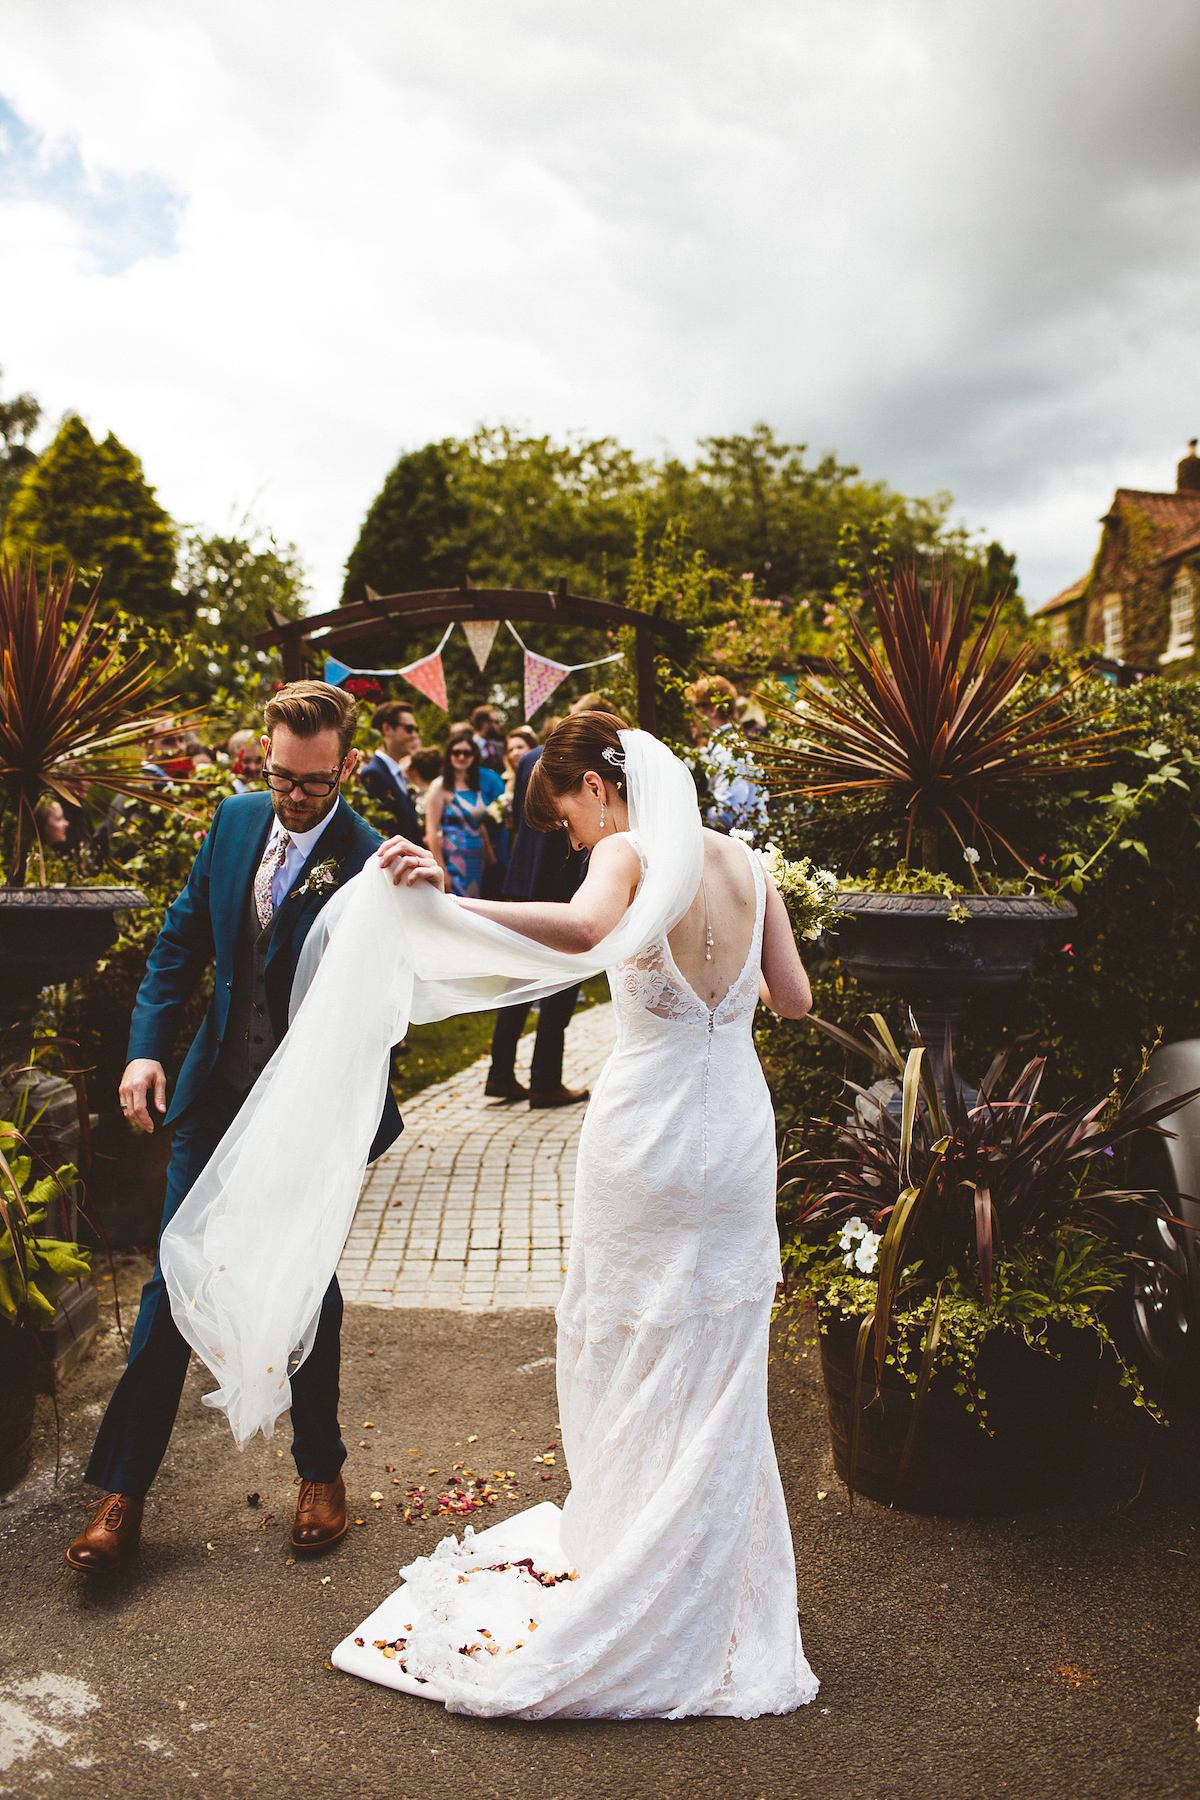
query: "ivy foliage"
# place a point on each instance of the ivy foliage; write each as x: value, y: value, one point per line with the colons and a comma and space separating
x: 1063, y: 1281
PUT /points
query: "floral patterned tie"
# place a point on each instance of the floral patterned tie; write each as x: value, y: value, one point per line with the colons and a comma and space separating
x: 272, y: 862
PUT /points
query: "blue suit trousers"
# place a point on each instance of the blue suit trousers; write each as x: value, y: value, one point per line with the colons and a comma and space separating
x: 554, y: 1015
x: 136, y: 1428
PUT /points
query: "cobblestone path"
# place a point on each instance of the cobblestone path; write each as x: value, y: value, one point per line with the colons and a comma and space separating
x: 472, y: 1208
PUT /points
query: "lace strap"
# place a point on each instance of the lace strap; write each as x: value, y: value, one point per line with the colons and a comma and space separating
x: 760, y: 888
x: 636, y: 843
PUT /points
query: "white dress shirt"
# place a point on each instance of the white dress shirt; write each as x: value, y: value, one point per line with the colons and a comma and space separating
x: 298, y: 854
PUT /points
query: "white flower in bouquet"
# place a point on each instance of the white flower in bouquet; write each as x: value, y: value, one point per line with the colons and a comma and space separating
x: 810, y: 893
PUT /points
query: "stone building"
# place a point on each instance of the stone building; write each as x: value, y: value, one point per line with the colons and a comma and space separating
x: 1137, y: 604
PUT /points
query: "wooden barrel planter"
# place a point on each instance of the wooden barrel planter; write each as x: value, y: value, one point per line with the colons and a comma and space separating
x: 18, y: 1375
x: 1039, y: 1416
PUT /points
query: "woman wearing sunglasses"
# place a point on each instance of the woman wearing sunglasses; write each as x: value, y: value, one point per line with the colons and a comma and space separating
x: 456, y: 815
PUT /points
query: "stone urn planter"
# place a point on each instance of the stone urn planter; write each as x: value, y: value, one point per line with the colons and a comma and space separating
x: 53, y: 934
x: 1039, y: 1416
x: 905, y: 944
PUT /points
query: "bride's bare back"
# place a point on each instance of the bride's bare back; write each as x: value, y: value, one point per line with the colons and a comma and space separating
x: 728, y: 888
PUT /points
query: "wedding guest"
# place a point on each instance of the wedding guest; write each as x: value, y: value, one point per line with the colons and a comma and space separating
x: 385, y: 775
x: 245, y: 759
x: 267, y: 866
x: 164, y: 760
x: 542, y: 866
x: 456, y: 814
x: 52, y: 826
x: 202, y: 757
x: 519, y: 742
x: 487, y: 726
x: 714, y: 703
x: 424, y: 768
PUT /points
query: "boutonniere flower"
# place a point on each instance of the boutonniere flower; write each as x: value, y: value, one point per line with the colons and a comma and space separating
x: 322, y: 876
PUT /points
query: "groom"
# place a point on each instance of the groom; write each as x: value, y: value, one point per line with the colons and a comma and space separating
x: 269, y: 863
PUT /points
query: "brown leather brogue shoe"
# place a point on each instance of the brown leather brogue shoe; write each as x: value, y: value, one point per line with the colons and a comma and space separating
x: 505, y: 1090
x: 320, y: 1515
x: 559, y: 1096
x: 114, y: 1526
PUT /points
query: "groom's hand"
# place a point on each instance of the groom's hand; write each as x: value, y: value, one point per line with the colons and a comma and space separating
x: 139, y: 1079
x: 407, y: 862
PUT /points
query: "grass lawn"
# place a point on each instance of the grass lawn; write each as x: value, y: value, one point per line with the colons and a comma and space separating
x: 435, y: 1052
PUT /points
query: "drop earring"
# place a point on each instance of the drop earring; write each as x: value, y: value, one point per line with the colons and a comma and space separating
x: 602, y: 815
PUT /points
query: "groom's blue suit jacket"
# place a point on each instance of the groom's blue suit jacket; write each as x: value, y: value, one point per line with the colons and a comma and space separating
x: 204, y: 922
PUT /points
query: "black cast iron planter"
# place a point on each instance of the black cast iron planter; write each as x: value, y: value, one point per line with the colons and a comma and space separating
x: 905, y: 944
x: 54, y: 934
x: 1039, y: 1418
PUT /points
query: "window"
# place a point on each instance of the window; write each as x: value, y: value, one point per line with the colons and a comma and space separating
x: 1114, y: 632
x: 1183, y: 613
x: 1060, y: 633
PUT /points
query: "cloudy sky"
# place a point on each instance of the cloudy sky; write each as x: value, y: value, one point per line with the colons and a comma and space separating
x: 271, y: 245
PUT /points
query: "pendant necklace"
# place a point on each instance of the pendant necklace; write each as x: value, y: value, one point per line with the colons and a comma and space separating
x: 708, y: 936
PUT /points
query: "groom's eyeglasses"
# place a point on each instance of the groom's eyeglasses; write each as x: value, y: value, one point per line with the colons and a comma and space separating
x: 315, y: 786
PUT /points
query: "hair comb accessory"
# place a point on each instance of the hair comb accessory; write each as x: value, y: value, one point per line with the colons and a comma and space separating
x: 615, y: 757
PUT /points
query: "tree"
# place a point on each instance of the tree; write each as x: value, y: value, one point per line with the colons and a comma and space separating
x: 18, y: 421
x: 89, y: 504
x: 231, y: 585
x: 810, y: 533
x: 407, y: 540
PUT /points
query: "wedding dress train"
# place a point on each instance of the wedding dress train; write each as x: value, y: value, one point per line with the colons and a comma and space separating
x: 667, y: 1585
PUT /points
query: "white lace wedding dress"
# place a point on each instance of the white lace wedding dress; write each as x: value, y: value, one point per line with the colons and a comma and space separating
x: 677, y: 1587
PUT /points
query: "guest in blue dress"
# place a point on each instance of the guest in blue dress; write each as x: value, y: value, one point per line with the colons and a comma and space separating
x: 465, y: 840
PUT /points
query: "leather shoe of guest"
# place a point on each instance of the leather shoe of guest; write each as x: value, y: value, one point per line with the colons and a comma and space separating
x: 560, y: 1096
x: 320, y: 1515
x: 506, y: 1090
x: 114, y: 1526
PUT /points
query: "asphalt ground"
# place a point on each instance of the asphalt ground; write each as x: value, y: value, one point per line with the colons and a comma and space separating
x: 1055, y: 1654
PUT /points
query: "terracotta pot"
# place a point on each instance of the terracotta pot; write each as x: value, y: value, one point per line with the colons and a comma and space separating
x: 18, y: 1371
x: 1039, y: 1414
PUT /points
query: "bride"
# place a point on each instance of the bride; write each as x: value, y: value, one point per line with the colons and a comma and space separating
x: 667, y: 1586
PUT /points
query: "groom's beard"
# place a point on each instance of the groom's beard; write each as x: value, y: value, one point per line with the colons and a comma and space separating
x: 305, y: 815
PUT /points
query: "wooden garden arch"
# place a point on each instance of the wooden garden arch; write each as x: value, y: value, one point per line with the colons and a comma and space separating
x: 302, y: 641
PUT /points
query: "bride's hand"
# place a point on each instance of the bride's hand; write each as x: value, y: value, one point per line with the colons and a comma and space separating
x: 409, y: 863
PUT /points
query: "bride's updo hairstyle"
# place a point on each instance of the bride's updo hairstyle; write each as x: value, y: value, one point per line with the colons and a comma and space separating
x: 574, y: 749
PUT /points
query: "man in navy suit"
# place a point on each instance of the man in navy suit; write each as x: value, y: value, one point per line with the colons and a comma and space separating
x: 542, y: 866
x: 383, y: 774
x: 269, y: 863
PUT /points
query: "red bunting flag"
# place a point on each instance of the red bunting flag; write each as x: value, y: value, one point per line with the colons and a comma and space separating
x: 429, y: 678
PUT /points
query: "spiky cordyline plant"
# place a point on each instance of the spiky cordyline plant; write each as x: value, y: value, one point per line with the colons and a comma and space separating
x: 950, y: 1187
x: 931, y: 722
x: 68, y: 706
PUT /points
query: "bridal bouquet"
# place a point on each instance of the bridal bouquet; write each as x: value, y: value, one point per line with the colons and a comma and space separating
x: 810, y: 894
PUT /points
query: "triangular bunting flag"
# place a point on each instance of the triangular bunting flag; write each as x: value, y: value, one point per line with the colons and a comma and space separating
x: 429, y: 678
x: 481, y: 635
x: 336, y: 672
x: 541, y: 678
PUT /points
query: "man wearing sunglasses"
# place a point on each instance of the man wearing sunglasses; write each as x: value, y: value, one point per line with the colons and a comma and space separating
x: 270, y: 862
